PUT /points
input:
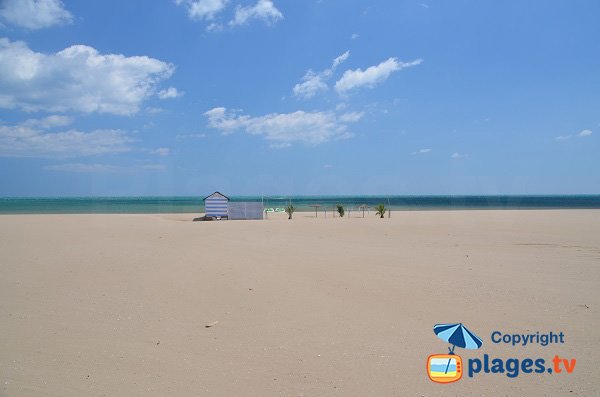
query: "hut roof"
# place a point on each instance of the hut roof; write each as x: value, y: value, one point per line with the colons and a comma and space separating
x: 219, y: 193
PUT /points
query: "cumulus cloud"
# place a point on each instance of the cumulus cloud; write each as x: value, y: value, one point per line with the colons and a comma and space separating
x: 284, y: 129
x: 422, y: 151
x: 203, y: 9
x: 562, y: 137
x: 584, y: 133
x: 170, y: 92
x: 153, y: 167
x: 263, y: 9
x: 87, y: 168
x: 339, y: 60
x: 372, y: 76
x: 31, y: 138
x: 83, y: 168
x: 180, y: 137
x: 351, y: 117
x: 313, y: 83
x: 161, y: 151
x: 76, y: 78
x: 154, y: 110
x: 34, y: 14
x: 214, y: 27
x: 48, y: 122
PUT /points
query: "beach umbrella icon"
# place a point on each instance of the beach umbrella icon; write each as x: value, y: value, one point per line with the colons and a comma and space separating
x: 457, y: 335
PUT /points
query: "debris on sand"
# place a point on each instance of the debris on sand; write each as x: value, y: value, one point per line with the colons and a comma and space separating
x: 211, y: 324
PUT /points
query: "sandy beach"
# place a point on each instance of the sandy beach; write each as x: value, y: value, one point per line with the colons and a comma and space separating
x: 118, y: 305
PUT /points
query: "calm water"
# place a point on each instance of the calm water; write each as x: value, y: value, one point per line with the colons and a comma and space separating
x: 104, y: 205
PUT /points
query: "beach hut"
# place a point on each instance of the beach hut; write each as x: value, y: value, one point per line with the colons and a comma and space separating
x: 216, y: 205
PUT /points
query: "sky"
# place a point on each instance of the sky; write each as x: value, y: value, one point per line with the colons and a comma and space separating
x: 251, y: 97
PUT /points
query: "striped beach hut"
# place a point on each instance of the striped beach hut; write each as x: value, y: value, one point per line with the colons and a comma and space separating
x: 216, y: 205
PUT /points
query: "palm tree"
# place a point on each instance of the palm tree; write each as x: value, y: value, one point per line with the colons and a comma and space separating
x: 340, y: 209
x: 380, y: 210
x: 290, y: 210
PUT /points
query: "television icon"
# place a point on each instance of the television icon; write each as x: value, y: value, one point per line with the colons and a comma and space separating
x: 444, y: 368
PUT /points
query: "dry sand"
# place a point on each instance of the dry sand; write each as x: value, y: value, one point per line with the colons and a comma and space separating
x: 118, y: 305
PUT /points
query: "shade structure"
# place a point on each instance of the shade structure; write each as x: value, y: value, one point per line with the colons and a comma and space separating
x: 457, y: 335
x: 245, y: 210
x: 363, y: 207
x: 317, y: 206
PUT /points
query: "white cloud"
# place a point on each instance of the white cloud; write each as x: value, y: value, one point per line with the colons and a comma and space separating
x: 283, y: 129
x: 372, y: 75
x: 457, y: 155
x: 170, y: 92
x: 180, y: 137
x: 280, y: 145
x: 424, y: 5
x: 34, y: 14
x: 214, y: 27
x: 76, y: 78
x: 339, y: 60
x: 32, y: 139
x: 154, y: 110
x: 581, y: 134
x: 351, y: 117
x: 421, y: 151
x: 584, y: 133
x: 207, y: 10
x: 263, y: 9
x: 154, y: 167
x: 314, y: 83
x: 355, y: 36
x: 48, y: 122
x: 203, y: 9
x: 161, y: 151
x: 86, y: 168
x: 83, y: 168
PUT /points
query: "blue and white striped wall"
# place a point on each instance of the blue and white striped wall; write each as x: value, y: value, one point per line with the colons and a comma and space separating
x: 216, y: 205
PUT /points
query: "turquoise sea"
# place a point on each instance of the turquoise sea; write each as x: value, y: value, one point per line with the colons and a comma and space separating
x: 142, y: 205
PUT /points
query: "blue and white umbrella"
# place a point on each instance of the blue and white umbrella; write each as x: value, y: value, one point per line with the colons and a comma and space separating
x: 457, y: 335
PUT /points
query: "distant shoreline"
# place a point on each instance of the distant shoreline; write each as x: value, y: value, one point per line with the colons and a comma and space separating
x: 321, y: 214
x: 194, y: 205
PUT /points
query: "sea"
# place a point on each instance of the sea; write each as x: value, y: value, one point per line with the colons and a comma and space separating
x: 156, y: 205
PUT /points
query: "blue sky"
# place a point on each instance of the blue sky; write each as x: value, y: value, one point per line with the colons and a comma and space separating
x: 184, y: 97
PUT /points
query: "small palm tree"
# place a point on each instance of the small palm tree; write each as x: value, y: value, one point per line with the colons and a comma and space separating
x: 380, y: 210
x: 290, y: 210
x: 340, y: 210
